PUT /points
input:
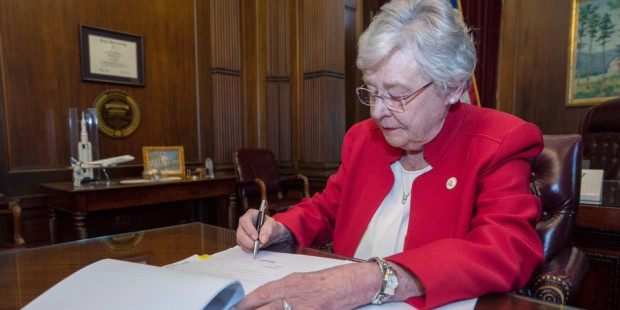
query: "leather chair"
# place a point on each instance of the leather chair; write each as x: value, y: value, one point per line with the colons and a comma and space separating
x: 600, y: 129
x: 556, y: 180
x: 10, y: 208
x: 258, y: 179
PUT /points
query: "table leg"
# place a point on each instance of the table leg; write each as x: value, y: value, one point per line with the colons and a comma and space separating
x: 79, y: 225
x: 232, y: 211
x: 53, y: 225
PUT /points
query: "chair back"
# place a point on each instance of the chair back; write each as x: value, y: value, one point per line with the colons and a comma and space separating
x: 556, y: 179
x: 253, y: 163
x: 600, y: 129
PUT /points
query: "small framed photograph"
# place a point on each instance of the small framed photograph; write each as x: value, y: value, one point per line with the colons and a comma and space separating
x: 110, y: 56
x: 169, y: 160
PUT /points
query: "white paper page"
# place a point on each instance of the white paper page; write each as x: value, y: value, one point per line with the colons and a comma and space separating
x: 591, y: 185
x: 468, y: 304
x: 235, y: 264
x: 113, y: 284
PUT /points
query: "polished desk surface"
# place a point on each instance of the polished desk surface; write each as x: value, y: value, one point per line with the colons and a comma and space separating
x: 605, y: 215
x: 115, y: 194
x: 27, y: 273
x: 128, y: 182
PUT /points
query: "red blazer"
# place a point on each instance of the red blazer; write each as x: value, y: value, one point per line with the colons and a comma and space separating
x: 464, y: 242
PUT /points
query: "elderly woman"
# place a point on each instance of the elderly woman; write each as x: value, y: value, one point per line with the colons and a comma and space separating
x: 432, y: 192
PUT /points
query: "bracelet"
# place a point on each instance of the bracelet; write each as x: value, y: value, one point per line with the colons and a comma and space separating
x: 389, y: 282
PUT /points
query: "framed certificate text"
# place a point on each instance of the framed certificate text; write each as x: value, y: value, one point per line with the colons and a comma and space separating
x: 109, y: 56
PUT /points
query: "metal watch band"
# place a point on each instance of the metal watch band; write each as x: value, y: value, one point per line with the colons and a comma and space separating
x: 389, y: 282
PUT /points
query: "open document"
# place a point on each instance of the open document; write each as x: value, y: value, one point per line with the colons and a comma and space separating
x: 116, y: 284
x: 215, y: 283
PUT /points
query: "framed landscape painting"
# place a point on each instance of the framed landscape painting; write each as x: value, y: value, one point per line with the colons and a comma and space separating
x: 594, y: 52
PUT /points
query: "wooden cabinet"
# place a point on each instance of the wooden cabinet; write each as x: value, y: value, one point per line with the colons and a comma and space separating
x: 597, y: 232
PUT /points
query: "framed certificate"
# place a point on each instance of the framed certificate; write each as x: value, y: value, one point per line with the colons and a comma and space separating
x: 109, y: 56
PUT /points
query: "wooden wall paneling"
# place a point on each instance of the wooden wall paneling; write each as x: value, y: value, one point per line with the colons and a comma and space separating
x: 169, y: 103
x: 26, y: 96
x: 226, y: 87
x: 226, y: 116
x: 278, y: 80
x: 542, y: 94
x: 505, y: 100
x: 323, y: 105
x: 355, y: 111
x: 313, y: 132
x: 4, y: 154
x: 204, y: 83
x: 279, y: 118
x: 296, y: 22
x: 533, y: 65
x: 283, y: 133
x: 254, y: 19
x: 45, y: 82
x: 42, y: 83
x: 39, y: 85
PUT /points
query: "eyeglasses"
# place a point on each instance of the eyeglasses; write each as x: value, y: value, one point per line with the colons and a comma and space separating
x: 394, y: 103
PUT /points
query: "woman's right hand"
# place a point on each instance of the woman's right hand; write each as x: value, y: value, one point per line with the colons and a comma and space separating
x: 271, y: 232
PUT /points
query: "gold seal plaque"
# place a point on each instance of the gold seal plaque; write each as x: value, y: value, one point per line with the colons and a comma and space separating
x: 118, y: 113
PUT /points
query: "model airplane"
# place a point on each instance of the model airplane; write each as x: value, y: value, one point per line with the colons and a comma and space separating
x: 103, y: 163
x: 80, y: 168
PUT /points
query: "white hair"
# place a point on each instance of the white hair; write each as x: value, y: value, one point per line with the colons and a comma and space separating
x: 434, y: 33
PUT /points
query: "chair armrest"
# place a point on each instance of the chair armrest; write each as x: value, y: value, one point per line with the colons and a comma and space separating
x: 251, y: 188
x: 263, y: 188
x: 246, y: 183
x: 246, y: 186
x: 254, y: 187
x: 294, y: 181
x: 560, y: 280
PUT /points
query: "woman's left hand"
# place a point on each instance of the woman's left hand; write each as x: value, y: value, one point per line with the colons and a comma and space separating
x: 342, y: 287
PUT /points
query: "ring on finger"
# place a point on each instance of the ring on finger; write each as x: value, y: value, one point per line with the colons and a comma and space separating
x: 286, y: 305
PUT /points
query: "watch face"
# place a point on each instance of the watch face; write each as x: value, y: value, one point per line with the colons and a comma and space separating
x: 392, y: 281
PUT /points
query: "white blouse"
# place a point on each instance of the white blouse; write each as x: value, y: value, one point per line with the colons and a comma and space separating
x: 385, y: 234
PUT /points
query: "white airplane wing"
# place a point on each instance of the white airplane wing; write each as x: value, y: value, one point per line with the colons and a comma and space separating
x: 108, y: 162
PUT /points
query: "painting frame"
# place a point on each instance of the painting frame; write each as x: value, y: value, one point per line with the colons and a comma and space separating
x: 593, y: 70
x: 111, y: 56
x: 169, y: 160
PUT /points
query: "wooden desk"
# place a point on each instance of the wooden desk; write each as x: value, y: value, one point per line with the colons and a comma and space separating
x: 597, y: 232
x: 28, y: 273
x: 79, y: 202
x: 604, y: 216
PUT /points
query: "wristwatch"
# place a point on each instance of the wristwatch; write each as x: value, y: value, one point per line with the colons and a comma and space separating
x: 389, y: 285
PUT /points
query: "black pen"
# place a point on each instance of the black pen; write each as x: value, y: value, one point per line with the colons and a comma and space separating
x: 260, y: 219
